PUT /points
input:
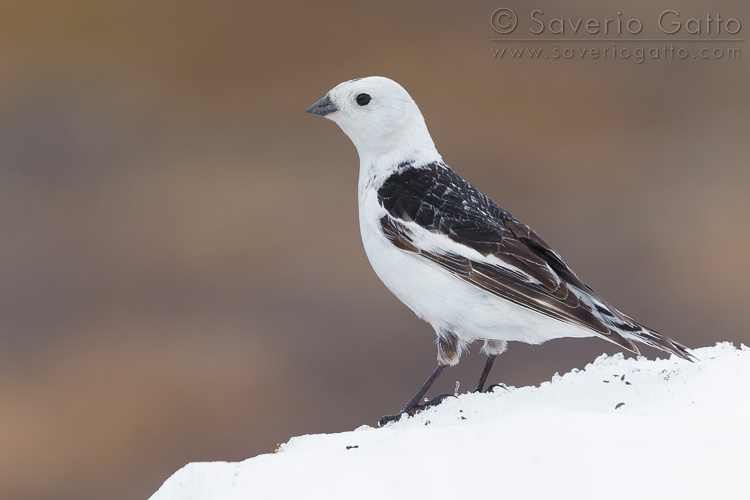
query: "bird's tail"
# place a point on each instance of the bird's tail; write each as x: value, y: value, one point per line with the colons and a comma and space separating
x: 645, y: 335
x: 624, y: 330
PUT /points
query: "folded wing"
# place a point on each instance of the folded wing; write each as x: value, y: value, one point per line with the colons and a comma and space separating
x: 497, y: 252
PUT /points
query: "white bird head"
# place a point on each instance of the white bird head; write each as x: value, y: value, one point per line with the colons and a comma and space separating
x: 380, y: 118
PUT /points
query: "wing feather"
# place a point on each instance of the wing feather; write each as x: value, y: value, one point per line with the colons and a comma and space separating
x: 509, y: 284
x: 519, y: 266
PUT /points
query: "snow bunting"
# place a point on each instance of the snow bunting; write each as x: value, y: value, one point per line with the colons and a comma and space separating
x: 457, y: 259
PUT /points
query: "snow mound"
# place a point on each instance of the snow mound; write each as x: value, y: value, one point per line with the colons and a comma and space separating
x: 620, y: 428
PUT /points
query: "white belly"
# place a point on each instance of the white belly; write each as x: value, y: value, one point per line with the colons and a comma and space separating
x: 446, y: 302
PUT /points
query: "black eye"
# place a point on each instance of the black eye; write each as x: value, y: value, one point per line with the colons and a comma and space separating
x: 363, y: 99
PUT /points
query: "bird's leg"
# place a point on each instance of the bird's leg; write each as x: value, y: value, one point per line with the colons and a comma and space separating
x: 448, y: 354
x: 485, y: 372
x: 492, y: 348
x: 413, y: 405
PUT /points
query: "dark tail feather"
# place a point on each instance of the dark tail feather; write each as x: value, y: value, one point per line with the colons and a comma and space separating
x: 655, y: 339
x: 620, y: 340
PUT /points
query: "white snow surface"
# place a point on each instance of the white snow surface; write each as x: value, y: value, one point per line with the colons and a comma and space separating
x: 682, y: 432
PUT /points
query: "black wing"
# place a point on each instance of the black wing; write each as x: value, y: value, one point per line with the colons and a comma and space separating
x: 535, y: 276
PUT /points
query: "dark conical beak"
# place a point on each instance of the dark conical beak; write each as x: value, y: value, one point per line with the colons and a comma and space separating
x: 322, y: 107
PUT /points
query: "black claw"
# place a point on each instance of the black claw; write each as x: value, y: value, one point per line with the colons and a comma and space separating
x: 413, y: 410
x: 387, y: 419
x: 435, y: 401
x: 492, y: 387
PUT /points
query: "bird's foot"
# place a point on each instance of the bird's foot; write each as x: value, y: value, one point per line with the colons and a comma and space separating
x: 480, y: 388
x: 492, y: 387
x: 412, y: 410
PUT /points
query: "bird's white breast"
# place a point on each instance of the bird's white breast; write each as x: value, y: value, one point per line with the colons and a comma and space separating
x: 446, y: 302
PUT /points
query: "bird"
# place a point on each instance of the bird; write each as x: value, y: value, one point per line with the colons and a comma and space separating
x: 453, y: 256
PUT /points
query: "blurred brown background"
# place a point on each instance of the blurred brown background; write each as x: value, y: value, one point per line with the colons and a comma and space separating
x: 182, y: 276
